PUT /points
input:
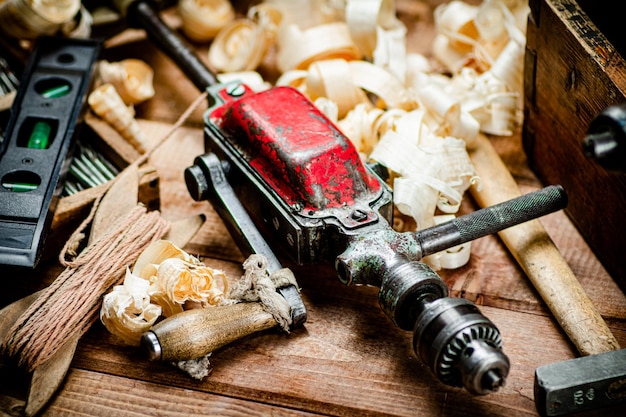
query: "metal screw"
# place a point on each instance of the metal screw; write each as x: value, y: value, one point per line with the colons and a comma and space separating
x: 359, y: 215
x: 236, y: 90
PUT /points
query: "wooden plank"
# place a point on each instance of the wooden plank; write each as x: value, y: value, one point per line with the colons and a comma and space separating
x: 91, y: 393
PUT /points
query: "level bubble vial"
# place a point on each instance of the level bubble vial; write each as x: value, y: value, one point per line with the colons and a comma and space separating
x: 53, y: 87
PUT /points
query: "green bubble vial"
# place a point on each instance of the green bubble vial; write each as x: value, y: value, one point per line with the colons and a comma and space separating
x: 40, y: 136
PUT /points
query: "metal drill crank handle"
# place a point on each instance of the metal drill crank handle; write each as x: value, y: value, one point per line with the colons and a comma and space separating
x: 490, y: 220
x: 207, y: 180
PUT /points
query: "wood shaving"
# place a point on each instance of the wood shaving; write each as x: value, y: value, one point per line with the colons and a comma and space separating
x: 106, y: 102
x: 203, y: 19
x: 28, y: 19
x: 131, y: 78
x: 299, y: 48
x: 365, y: 17
x: 251, y: 79
x: 242, y: 44
x: 127, y: 312
x: 165, y: 280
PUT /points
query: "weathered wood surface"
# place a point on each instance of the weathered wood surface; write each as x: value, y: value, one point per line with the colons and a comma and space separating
x: 573, y: 73
x: 348, y: 359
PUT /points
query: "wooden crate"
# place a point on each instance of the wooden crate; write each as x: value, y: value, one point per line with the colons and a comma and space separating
x: 574, y: 69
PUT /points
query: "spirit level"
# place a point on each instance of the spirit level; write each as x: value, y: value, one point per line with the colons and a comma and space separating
x: 34, y: 155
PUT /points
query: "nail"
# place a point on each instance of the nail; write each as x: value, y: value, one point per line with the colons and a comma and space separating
x: 81, y: 176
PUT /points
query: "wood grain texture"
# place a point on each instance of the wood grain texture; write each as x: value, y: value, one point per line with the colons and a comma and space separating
x: 348, y: 359
x: 90, y: 393
x: 573, y: 73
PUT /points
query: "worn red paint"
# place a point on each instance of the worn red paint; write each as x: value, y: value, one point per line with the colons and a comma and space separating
x: 296, y: 149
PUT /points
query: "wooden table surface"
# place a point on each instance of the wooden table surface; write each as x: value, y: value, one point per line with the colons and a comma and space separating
x: 348, y: 359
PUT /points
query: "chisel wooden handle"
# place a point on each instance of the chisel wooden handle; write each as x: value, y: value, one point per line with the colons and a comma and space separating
x: 195, y: 333
x: 540, y: 259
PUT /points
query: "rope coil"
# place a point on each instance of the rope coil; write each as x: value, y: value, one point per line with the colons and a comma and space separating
x: 71, y: 303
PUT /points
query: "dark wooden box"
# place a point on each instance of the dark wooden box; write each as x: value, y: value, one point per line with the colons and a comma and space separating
x: 575, y: 68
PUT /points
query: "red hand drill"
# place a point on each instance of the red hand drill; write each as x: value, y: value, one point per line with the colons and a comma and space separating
x: 302, y: 183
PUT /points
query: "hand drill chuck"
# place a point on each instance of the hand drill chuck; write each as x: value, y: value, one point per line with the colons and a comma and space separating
x: 461, y: 345
x: 451, y: 336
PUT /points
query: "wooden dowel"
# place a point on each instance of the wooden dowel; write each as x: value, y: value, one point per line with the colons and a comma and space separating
x: 540, y: 259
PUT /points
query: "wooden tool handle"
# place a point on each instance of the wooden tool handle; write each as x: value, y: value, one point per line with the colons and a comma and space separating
x: 195, y: 333
x: 540, y: 259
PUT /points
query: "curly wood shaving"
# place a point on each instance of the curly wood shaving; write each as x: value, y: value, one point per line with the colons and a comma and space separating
x: 240, y: 46
x: 364, y: 125
x: 333, y: 80
x: 106, y: 102
x: 131, y: 78
x: 306, y: 13
x: 390, y: 53
x: 268, y: 17
x: 381, y: 83
x: 79, y: 27
x: 452, y: 258
x: 299, y: 48
x: 364, y: 17
x: 203, y: 19
x: 294, y: 78
x: 156, y: 253
x: 126, y: 311
x: 416, y: 199
x: 164, y: 281
x: 328, y: 107
x: 182, y: 281
x: 455, y: 20
x: 251, y: 79
x: 30, y: 19
x: 441, y: 163
x: 452, y: 119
